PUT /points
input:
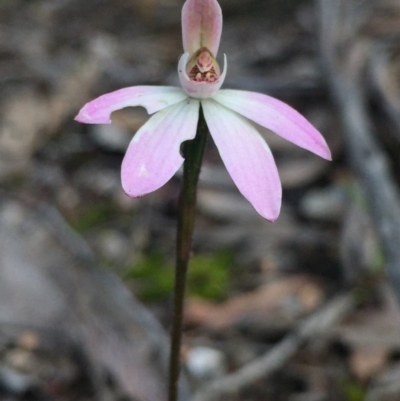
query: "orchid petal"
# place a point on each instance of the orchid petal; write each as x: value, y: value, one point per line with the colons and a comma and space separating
x: 199, y: 90
x: 276, y: 116
x: 247, y: 158
x: 153, y: 155
x: 201, y: 25
x: 153, y: 98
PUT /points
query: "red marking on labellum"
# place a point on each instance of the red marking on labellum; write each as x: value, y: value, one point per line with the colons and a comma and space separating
x: 196, y: 75
x: 204, y: 67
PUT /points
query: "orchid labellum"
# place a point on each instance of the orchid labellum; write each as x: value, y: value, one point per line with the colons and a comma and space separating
x: 153, y: 156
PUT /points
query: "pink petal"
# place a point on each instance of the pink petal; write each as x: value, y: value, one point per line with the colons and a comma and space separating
x: 199, y: 90
x: 276, y: 116
x: 153, y: 155
x: 201, y: 25
x: 153, y: 98
x: 247, y: 158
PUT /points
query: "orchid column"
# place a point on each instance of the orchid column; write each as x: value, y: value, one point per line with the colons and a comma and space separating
x: 184, y: 116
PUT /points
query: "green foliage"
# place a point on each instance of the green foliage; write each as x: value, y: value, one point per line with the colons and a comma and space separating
x: 378, y: 259
x: 353, y: 391
x: 154, y: 277
x: 97, y: 214
x: 207, y: 277
x: 357, y: 197
x: 355, y: 194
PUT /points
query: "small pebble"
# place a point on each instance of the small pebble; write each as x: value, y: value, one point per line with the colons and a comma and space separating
x: 205, y: 363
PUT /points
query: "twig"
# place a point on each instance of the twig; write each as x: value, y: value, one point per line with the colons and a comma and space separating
x: 384, y: 80
x: 364, y: 151
x: 318, y: 323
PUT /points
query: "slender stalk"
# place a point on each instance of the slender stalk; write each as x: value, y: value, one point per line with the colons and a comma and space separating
x: 193, y: 153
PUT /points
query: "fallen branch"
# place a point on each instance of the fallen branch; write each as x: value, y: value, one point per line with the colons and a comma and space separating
x: 369, y: 161
x: 317, y: 324
x: 51, y: 283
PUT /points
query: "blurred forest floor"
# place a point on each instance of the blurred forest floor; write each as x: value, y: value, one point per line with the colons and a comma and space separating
x: 305, y: 309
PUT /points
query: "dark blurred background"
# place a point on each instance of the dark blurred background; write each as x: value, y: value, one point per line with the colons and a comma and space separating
x: 86, y: 274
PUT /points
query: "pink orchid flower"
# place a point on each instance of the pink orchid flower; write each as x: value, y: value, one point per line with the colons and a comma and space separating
x: 153, y: 155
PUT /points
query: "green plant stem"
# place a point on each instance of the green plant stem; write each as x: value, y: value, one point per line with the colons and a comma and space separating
x: 193, y: 153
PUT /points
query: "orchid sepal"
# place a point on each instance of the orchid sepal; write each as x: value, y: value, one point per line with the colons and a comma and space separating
x: 152, y: 98
x: 201, y: 25
x: 153, y: 155
x: 277, y: 116
x: 247, y: 158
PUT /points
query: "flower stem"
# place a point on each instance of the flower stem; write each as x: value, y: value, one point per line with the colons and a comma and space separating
x: 193, y: 153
